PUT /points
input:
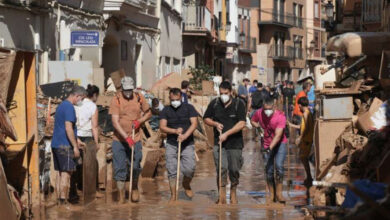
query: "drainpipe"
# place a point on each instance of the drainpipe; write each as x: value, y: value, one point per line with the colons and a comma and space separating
x: 61, y: 54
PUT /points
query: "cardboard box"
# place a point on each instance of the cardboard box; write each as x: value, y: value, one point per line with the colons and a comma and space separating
x: 364, y: 120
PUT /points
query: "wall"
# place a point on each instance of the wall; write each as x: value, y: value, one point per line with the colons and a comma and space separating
x: 17, y: 28
x: 148, y: 51
x: 171, y: 43
x: 231, y: 36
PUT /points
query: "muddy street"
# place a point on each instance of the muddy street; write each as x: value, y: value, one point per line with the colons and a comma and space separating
x: 155, y: 195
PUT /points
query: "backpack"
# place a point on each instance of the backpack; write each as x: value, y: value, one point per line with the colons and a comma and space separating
x: 237, y: 100
x: 258, y: 98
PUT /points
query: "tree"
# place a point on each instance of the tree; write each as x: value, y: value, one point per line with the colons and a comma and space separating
x: 199, y: 74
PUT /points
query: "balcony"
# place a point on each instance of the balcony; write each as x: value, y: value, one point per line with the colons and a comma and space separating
x: 271, y: 17
x: 298, y: 22
x: 285, y: 53
x: 248, y: 45
x: 196, y: 20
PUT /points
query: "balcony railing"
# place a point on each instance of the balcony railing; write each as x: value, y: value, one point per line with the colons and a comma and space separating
x: 143, y: 2
x: 298, y: 22
x: 271, y: 17
x: 196, y: 18
x: 248, y: 45
x: 279, y: 52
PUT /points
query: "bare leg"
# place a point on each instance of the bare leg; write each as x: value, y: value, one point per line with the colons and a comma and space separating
x: 58, y: 184
x: 65, y: 184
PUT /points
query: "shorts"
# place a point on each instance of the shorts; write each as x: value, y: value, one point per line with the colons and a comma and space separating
x: 304, y: 149
x: 63, y: 159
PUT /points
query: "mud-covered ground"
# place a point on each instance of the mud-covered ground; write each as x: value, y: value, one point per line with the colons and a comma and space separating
x: 251, y: 196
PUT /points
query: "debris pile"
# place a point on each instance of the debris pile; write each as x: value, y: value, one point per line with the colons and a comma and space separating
x: 352, y: 143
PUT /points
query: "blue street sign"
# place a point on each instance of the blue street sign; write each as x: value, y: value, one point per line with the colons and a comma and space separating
x: 84, y: 38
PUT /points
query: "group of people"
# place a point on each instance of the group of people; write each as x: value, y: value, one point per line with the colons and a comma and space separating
x: 76, y: 123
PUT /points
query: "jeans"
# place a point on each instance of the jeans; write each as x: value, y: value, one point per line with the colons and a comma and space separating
x: 232, y: 161
x: 187, y: 160
x: 121, y: 160
x: 274, y: 161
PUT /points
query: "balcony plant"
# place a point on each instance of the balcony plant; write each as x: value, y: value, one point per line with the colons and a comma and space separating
x: 200, y: 73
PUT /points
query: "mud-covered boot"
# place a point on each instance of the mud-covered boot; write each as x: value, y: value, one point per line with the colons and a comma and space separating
x: 271, y: 191
x: 122, y: 192
x: 135, y: 192
x: 187, y: 187
x: 279, y: 192
x: 222, y: 196
x: 233, y: 195
x: 172, y: 186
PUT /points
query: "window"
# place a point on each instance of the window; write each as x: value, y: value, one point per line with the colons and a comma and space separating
x: 298, y: 12
x: 372, y: 10
x: 167, y: 65
x: 298, y: 51
x: 176, y: 66
x: 278, y: 10
x: 316, y: 10
x: 279, y: 44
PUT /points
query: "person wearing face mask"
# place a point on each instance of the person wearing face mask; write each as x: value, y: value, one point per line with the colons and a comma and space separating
x: 65, y: 146
x: 129, y: 109
x: 179, y: 121
x: 274, y: 147
x: 87, y: 130
x: 228, y: 117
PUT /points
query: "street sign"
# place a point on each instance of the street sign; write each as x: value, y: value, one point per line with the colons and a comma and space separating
x: 84, y: 38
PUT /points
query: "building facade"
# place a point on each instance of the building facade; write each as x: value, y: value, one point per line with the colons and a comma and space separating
x: 131, y: 39
x: 170, y: 50
x: 282, y: 41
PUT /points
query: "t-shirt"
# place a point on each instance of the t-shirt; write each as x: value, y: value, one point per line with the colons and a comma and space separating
x: 65, y: 112
x: 270, y: 124
x: 184, y: 97
x: 311, y: 95
x: 242, y: 90
x: 297, y: 111
x: 84, y: 115
x: 288, y: 95
x: 128, y: 111
x: 228, y: 117
x: 252, y: 89
x: 179, y: 118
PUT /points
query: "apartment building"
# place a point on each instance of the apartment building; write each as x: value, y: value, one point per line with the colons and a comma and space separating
x: 315, y: 33
x: 240, y: 42
x: 282, y: 42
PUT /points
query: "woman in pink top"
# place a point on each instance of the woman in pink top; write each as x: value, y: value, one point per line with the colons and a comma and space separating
x: 274, y: 148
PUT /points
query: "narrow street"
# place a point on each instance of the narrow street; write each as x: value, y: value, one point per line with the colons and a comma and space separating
x: 155, y: 195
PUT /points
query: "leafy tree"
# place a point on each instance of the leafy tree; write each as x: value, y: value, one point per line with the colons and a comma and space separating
x: 199, y: 74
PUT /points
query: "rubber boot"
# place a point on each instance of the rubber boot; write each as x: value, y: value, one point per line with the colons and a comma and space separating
x: 135, y: 192
x: 222, y: 196
x: 187, y: 187
x: 271, y: 190
x: 172, y: 186
x: 122, y: 192
x: 233, y: 195
x: 279, y: 192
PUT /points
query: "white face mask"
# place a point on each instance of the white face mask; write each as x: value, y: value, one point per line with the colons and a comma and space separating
x: 268, y: 112
x: 176, y: 103
x: 79, y: 103
x: 225, y: 98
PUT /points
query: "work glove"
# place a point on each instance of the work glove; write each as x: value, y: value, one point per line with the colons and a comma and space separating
x: 136, y: 124
x: 130, y: 142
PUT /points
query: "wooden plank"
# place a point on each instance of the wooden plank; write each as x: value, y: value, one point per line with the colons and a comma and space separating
x: 90, y: 169
x: 17, y: 95
x: 6, y: 207
x: 32, y: 131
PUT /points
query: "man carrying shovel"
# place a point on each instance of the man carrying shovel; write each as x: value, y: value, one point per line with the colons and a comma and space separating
x: 227, y: 115
x: 179, y: 121
x: 128, y: 109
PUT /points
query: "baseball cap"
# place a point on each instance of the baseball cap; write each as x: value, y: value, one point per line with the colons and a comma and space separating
x: 127, y: 83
